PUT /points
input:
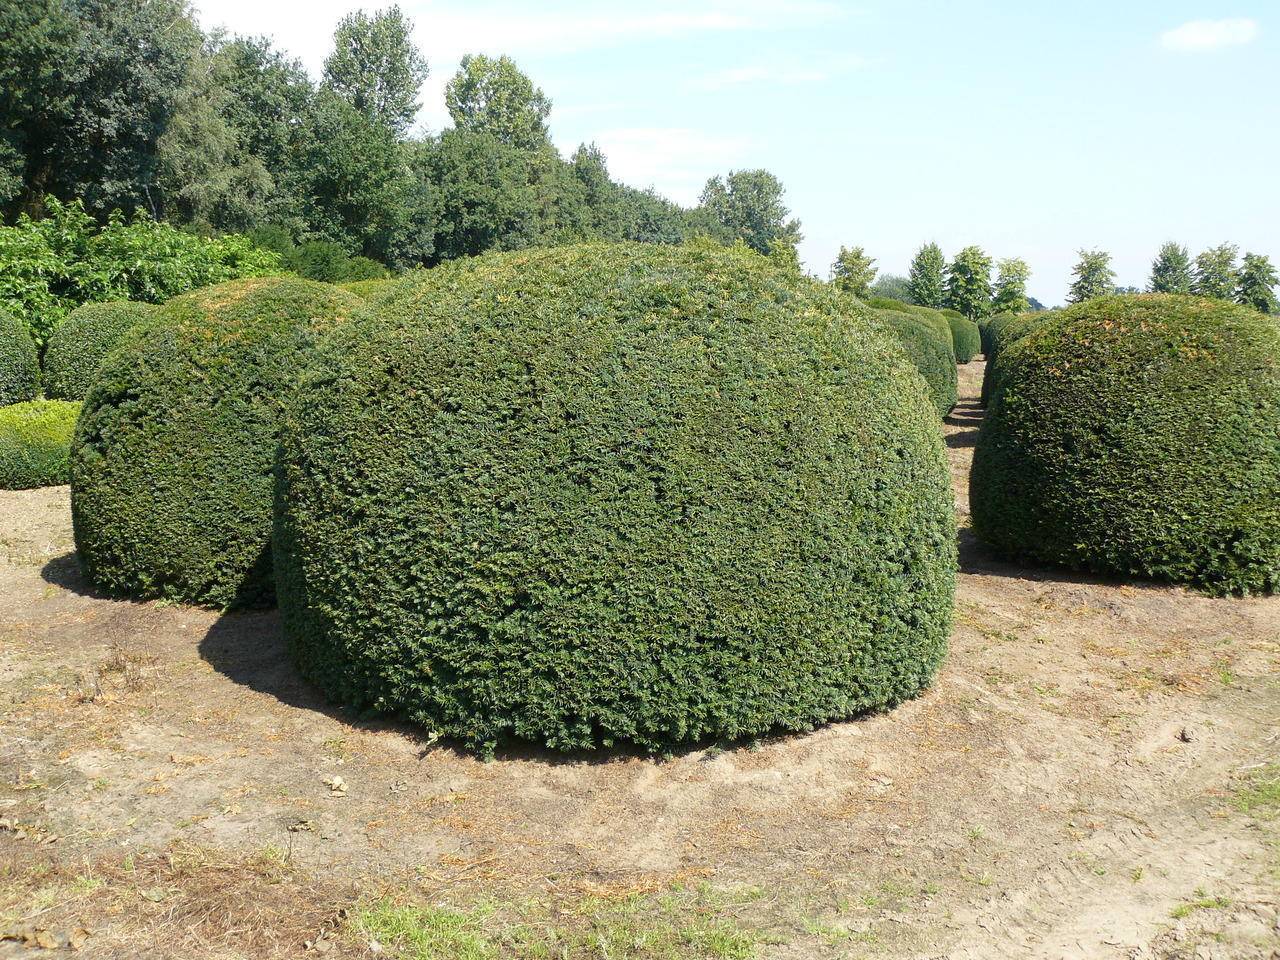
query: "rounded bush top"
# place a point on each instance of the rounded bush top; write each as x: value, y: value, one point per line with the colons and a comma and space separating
x: 1138, y: 436
x: 172, y: 460
x: 604, y: 494
x: 35, y: 437
x: 80, y: 343
x: 928, y: 353
x: 965, y: 337
x: 19, y: 362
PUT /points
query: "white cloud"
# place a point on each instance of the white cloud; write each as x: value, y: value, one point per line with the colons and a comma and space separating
x: 676, y: 161
x: 1198, y: 35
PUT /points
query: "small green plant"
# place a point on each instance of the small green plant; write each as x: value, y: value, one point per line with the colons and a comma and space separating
x: 1202, y: 902
x: 1261, y: 794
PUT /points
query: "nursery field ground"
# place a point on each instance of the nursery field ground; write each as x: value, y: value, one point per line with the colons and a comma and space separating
x: 1095, y: 773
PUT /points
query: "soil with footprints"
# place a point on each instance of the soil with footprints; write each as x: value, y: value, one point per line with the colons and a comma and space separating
x: 1093, y: 774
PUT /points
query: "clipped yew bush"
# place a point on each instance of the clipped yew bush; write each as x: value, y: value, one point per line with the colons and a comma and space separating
x: 1003, y: 331
x: 1138, y: 436
x: 172, y: 461
x: 614, y: 494
x: 80, y: 343
x: 368, y: 289
x: 964, y: 337
x: 929, y: 353
x: 19, y: 363
x: 35, y: 439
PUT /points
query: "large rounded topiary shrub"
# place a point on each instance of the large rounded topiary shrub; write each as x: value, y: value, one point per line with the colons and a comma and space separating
x: 924, y: 346
x: 1003, y: 331
x: 19, y: 363
x: 171, y: 465
x: 964, y: 337
x: 1138, y: 436
x: 35, y: 439
x: 80, y: 343
x: 611, y: 494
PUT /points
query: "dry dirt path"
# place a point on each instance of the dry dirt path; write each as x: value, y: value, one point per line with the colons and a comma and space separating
x: 1094, y: 774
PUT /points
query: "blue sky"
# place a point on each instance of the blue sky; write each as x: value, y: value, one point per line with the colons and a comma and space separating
x: 1030, y: 128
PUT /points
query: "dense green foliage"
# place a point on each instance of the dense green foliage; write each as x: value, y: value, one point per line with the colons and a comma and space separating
x: 1171, y: 270
x: 1138, y: 436
x: 35, y: 438
x: 853, y: 271
x: 172, y: 461
x: 1001, y: 332
x: 747, y: 205
x: 926, y: 281
x: 1011, y: 286
x: 19, y: 362
x: 965, y: 337
x: 368, y: 288
x: 1093, y: 277
x: 81, y: 342
x: 1255, y: 284
x: 611, y: 494
x: 928, y: 352
x: 1215, y: 274
x: 968, y: 284
x: 50, y: 266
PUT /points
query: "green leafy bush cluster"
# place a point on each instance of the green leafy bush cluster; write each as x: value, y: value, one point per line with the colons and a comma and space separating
x: 19, y: 363
x: 604, y: 494
x: 80, y: 343
x: 1003, y: 331
x: 35, y: 438
x: 50, y: 266
x: 321, y: 260
x: 1138, y: 436
x: 928, y: 352
x: 172, y: 462
x: 965, y: 337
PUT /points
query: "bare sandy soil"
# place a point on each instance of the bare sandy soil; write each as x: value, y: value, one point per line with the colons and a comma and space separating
x: 1095, y: 773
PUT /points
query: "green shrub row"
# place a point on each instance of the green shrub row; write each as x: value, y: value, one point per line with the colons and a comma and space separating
x: 928, y: 352
x: 965, y: 337
x: 1002, y: 331
x: 172, y: 460
x: 19, y: 363
x: 1138, y: 436
x: 81, y: 342
x: 606, y: 494
x: 35, y: 438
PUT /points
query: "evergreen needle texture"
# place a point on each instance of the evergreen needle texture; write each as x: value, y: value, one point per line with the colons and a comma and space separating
x: 80, y: 343
x: 19, y: 363
x: 171, y: 481
x: 928, y: 352
x: 965, y: 337
x: 1138, y: 436
x: 35, y: 438
x: 606, y: 494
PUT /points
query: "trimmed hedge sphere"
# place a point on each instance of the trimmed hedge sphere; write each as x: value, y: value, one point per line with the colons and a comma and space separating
x: 605, y: 494
x: 172, y: 460
x: 35, y: 439
x: 1005, y: 330
x: 965, y: 337
x: 929, y: 355
x: 1139, y: 436
x: 19, y: 362
x: 80, y: 343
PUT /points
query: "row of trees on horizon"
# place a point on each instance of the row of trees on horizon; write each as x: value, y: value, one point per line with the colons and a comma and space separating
x: 131, y: 107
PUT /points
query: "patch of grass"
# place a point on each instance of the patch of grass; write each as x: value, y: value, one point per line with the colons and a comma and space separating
x: 681, y: 924
x: 1202, y: 902
x: 1261, y: 794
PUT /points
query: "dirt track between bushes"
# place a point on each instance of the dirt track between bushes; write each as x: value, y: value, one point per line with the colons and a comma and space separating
x: 1094, y: 774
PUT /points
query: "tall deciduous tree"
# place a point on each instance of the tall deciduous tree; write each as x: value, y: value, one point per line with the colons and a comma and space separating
x: 1255, y: 286
x: 747, y: 205
x: 968, y: 285
x: 376, y: 68
x: 927, y: 277
x: 853, y: 271
x: 1216, y: 272
x: 1011, y: 287
x: 1171, y: 270
x: 1093, y: 277
x: 493, y: 96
